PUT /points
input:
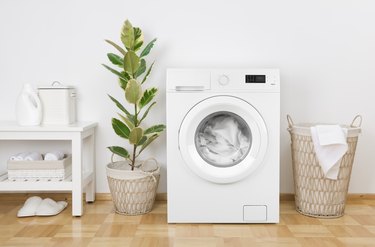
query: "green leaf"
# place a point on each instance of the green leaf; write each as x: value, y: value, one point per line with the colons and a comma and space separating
x: 148, y: 48
x: 155, y: 129
x: 119, y: 74
x: 148, y: 142
x: 137, y: 33
x: 133, y: 91
x: 126, y: 75
x: 120, y: 128
x: 147, y: 73
x: 116, y: 59
x: 146, y: 112
x: 127, y: 121
x: 141, y: 69
x: 119, y: 151
x: 131, y: 63
x: 123, y: 82
x: 116, y: 46
x: 142, y: 141
x: 135, y: 135
x: 148, y: 95
x: 127, y: 35
x: 138, y: 38
x: 120, y: 106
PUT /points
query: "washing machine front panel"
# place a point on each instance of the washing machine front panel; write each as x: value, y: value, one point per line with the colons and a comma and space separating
x: 223, y: 139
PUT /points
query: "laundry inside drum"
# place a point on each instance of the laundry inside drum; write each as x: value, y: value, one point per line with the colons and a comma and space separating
x: 223, y: 139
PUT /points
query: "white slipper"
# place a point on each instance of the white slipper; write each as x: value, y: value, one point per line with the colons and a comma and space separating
x: 30, y: 206
x: 36, y: 206
x: 49, y: 207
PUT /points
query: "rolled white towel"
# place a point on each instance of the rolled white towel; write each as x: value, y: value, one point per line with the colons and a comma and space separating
x: 54, y: 155
x: 19, y: 156
x: 33, y: 156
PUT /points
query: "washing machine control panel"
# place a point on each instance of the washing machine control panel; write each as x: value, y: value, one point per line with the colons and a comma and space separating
x: 223, y: 80
x: 239, y: 80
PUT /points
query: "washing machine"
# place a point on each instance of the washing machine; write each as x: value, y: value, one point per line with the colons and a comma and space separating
x: 223, y: 145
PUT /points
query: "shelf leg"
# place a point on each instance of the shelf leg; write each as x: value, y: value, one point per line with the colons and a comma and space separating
x: 90, y: 188
x: 77, y: 204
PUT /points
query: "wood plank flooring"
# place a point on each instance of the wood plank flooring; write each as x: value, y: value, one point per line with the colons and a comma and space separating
x: 100, y: 226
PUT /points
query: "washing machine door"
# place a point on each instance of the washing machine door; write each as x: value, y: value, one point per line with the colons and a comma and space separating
x: 223, y: 139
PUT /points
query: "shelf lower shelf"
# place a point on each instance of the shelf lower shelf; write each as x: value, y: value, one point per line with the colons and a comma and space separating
x: 7, y: 185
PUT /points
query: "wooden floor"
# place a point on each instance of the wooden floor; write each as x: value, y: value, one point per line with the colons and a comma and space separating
x: 100, y: 226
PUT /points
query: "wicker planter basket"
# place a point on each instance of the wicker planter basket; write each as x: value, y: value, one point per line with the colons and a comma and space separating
x: 133, y: 192
x: 316, y: 195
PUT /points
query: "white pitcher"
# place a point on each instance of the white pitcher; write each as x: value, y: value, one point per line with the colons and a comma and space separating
x: 29, y: 107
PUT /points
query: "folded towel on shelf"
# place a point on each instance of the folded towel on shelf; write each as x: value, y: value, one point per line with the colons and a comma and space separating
x: 33, y: 156
x: 54, y: 155
x: 19, y: 156
x: 36, y: 206
x: 330, y: 146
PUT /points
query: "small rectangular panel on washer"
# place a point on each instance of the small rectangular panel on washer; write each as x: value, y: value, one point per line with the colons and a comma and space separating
x: 255, y: 213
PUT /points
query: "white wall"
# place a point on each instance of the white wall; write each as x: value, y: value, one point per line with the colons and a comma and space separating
x: 324, y: 49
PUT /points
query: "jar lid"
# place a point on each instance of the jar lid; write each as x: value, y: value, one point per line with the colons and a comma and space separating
x: 56, y: 85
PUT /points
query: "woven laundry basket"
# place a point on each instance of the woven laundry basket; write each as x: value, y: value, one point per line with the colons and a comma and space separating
x: 133, y: 192
x: 316, y: 195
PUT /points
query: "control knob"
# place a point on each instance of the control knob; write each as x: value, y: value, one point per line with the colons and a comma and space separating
x: 223, y: 80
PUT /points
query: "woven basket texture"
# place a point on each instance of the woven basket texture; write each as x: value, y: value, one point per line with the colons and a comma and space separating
x: 316, y: 195
x: 134, y: 196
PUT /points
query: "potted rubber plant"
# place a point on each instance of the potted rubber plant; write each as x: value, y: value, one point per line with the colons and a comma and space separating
x: 133, y: 181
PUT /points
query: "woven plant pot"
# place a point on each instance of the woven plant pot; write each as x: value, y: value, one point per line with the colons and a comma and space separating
x: 133, y: 192
x: 316, y: 195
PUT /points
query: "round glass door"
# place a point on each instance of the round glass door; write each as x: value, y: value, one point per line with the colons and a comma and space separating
x: 223, y: 139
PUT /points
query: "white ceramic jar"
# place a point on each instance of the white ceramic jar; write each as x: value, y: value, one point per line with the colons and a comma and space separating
x: 59, y: 104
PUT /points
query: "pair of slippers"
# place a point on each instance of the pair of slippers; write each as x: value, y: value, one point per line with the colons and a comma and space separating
x: 36, y: 206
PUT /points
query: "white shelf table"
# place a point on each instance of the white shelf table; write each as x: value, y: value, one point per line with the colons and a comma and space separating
x: 81, y: 135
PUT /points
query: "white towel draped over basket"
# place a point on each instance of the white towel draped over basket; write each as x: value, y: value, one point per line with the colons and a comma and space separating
x: 330, y: 146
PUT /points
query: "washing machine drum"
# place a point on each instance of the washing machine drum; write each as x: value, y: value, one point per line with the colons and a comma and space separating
x: 223, y: 139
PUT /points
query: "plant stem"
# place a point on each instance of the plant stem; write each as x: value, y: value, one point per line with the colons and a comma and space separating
x: 135, y: 116
x: 136, y: 125
x: 133, y: 160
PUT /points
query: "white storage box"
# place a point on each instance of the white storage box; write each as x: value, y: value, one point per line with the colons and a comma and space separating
x: 59, y: 104
x: 54, y: 170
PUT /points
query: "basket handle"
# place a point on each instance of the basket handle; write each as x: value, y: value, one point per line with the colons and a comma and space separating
x: 112, y: 158
x: 113, y: 155
x: 290, y: 121
x: 150, y: 173
x: 356, y: 118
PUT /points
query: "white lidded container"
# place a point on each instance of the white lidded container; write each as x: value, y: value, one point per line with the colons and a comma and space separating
x: 59, y: 103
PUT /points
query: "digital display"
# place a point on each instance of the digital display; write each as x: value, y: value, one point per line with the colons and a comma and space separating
x: 255, y: 79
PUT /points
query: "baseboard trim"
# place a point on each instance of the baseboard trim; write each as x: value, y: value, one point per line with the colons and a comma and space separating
x: 159, y: 196
x: 350, y: 197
